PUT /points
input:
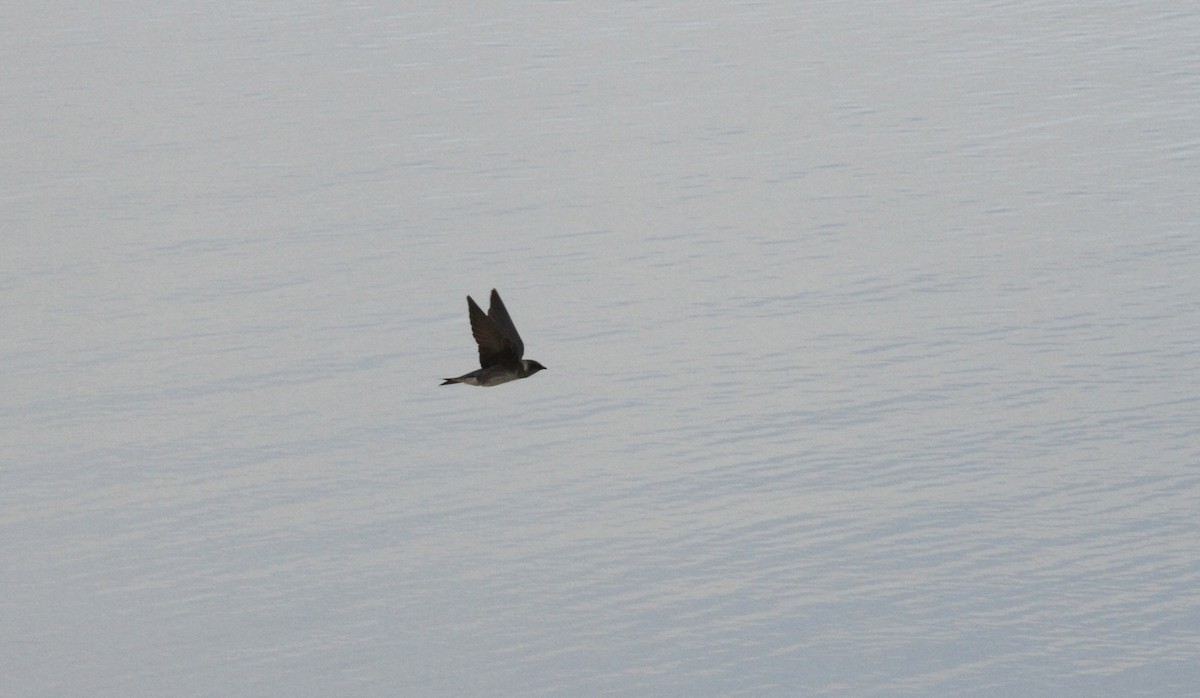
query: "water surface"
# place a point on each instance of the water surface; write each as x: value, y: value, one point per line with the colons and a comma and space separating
x: 872, y: 335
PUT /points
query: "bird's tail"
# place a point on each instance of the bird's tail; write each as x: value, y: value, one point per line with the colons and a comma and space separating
x: 448, y: 381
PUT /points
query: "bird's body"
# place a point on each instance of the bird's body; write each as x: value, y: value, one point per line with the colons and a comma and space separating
x: 495, y: 375
x: 500, y: 347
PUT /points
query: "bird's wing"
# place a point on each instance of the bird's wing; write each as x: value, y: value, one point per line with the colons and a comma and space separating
x: 494, y: 346
x: 499, y: 315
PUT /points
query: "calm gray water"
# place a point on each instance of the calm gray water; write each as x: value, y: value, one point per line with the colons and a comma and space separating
x: 873, y: 333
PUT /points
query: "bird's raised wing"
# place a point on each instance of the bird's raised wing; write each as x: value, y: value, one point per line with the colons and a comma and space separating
x: 494, y: 346
x: 499, y: 315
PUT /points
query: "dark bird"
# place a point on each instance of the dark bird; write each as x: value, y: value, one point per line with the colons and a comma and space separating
x: 500, y: 347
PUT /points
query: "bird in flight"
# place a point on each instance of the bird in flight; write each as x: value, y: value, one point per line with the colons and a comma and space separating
x: 500, y: 347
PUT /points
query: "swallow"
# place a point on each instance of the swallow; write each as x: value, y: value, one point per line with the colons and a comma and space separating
x: 500, y: 347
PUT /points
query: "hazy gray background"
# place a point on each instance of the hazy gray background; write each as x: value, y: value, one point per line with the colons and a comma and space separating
x: 873, y: 332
